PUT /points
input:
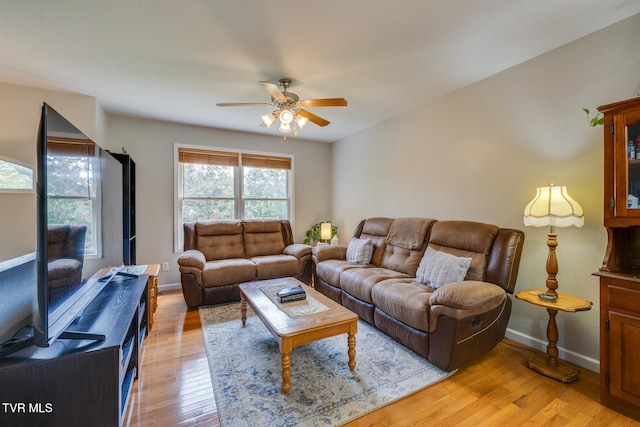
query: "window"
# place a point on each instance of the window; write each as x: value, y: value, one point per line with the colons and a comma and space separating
x: 71, y: 187
x: 15, y: 177
x: 215, y: 184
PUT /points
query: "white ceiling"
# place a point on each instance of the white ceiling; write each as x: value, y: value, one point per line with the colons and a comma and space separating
x: 175, y: 59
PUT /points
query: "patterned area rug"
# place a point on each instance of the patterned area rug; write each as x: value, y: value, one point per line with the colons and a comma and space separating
x: 246, y: 375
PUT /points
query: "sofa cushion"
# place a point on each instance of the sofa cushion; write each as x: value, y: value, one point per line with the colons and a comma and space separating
x: 263, y: 237
x: 405, y: 300
x: 438, y: 268
x: 57, y: 236
x: 64, y: 272
x: 465, y: 239
x: 220, y: 239
x: 409, y: 233
x: 465, y: 299
x: 377, y: 230
x: 227, y: 272
x: 272, y: 266
x: 406, y: 244
x: 360, y: 251
x: 330, y: 270
x: 359, y: 282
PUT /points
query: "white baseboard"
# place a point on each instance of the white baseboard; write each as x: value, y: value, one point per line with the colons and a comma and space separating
x: 564, y: 354
x: 169, y: 287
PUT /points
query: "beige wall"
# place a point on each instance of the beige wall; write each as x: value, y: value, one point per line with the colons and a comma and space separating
x: 151, y: 145
x: 20, y: 109
x: 479, y: 153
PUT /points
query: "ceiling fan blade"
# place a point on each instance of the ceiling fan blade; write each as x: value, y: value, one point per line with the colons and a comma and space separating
x: 243, y: 104
x: 274, y: 91
x: 326, y: 102
x: 313, y: 118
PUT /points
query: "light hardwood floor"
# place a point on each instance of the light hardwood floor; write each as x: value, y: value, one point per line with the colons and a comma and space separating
x: 174, y: 388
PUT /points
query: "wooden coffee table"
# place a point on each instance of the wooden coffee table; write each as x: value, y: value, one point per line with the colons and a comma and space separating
x: 294, y: 330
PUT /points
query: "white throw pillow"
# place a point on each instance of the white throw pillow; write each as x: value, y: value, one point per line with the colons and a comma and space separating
x: 360, y: 251
x: 438, y: 268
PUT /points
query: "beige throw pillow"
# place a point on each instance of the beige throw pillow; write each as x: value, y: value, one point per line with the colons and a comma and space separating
x: 438, y: 268
x: 360, y: 251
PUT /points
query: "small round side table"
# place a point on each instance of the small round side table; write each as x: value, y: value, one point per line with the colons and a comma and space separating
x: 550, y: 365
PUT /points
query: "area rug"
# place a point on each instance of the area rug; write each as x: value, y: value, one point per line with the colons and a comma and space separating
x: 246, y: 373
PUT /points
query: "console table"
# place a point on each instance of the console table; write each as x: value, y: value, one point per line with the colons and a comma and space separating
x: 152, y: 270
x: 80, y: 383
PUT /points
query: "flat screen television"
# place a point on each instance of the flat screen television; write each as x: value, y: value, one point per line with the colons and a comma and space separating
x: 78, y: 190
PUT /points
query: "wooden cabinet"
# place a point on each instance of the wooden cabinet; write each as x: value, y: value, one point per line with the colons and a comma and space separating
x: 75, y: 383
x: 128, y: 207
x: 622, y: 163
x: 620, y: 343
x: 620, y: 270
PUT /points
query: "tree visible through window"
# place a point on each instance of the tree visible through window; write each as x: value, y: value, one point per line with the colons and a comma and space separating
x: 71, y: 187
x: 265, y: 192
x: 226, y: 185
x: 14, y: 176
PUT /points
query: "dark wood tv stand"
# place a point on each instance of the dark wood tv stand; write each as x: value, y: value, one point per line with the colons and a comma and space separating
x: 71, y: 385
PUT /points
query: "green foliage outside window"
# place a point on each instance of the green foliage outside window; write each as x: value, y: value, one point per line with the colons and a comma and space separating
x: 14, y: 176
x: 71, y: 193
x: 209, y: 192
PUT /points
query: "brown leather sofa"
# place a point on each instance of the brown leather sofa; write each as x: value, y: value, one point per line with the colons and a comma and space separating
x: 65, y: 254
x: 220, y: 255
x: 451, y: 325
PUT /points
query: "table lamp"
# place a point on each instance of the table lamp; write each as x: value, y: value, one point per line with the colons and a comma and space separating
x: 552, y: 206
x: 325, y: 231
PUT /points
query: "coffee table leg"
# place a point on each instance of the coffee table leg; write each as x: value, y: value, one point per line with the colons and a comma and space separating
x: 352, y: 351
x: 286, y: 373
x: 243, y: 308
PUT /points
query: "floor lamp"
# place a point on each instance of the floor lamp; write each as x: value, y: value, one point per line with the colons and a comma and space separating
x: 553, y: 207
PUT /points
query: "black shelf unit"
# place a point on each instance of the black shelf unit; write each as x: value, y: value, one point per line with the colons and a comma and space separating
x: 70, y: 385
x: 128, y: 207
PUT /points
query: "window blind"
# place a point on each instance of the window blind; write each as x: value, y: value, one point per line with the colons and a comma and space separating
x: 70, y: 147
x: 225, y: 158
x: 207, y: 157
x: 262, y: 161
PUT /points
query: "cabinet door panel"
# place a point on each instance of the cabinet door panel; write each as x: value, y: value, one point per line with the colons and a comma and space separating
x: 627, y: 159
x: 624, y: 350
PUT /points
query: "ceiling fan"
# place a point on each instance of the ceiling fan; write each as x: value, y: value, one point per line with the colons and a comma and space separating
x: 289, y: 107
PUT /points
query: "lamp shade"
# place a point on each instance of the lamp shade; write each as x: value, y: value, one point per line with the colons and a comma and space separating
x: 286, y: 116
x: 325, y: 231
x: 553, y: 206
x: 301, y: 121
x: 268, y: 119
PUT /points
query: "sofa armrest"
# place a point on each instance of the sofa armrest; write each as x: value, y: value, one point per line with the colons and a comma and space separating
x: 325, y: 252
x: 192, y: 258
x: 298, y: 250
x: 464, y: 299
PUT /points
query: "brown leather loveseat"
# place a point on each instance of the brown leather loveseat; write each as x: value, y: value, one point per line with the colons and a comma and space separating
x: 65, y: 254
x: 438, y: 287
x: 219, y: 255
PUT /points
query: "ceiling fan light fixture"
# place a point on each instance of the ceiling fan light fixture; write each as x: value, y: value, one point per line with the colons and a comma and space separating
x: 284, y: 127
x: 268, y: 119
x: 286, y: 116
x: 301, y: 121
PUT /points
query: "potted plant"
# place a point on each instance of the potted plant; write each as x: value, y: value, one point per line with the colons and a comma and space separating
x: 594, y: 121
x: 313, y: 233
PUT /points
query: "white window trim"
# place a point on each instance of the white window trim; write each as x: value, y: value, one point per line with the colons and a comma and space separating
x: 177, y: 187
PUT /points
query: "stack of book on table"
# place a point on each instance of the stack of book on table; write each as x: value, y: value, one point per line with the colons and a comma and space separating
x: 291, y: 294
